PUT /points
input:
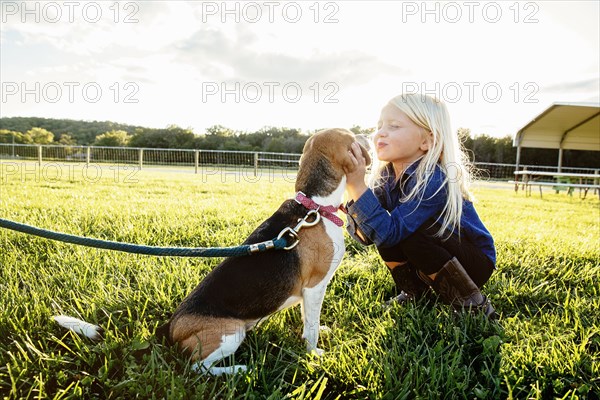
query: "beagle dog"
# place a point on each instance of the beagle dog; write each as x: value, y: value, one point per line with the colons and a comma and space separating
x: 212, y: 321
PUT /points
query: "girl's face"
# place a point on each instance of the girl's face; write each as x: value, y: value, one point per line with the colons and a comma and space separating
x: 398, y: 140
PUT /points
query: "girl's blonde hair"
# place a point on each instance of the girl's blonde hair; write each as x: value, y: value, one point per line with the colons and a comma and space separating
x: 445, y: 149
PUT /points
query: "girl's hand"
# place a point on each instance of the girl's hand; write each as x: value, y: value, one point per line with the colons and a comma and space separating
x: 355, y: 177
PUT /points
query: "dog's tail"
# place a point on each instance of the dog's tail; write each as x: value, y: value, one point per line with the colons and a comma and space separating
x: 80, y: 327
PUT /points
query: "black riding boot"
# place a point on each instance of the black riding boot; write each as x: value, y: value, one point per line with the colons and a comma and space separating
x: 455, y: 287
x: 408, y: 283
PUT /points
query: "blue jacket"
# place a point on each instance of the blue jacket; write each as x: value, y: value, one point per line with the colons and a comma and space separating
x: 386, y: 221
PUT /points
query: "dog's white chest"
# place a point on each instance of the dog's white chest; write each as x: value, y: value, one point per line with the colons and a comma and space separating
x: 335, y: 233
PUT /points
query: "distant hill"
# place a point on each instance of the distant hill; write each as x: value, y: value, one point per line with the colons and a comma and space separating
x: 217, y: 137
x: 481, y: 148
x: 84, y: 132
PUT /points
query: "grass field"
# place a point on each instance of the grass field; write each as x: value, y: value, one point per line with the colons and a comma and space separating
x: 545, y: 345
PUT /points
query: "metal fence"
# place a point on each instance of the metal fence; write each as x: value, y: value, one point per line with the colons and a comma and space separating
x: 144, y: 157
x: 198, y: 159
x: 497, y: 171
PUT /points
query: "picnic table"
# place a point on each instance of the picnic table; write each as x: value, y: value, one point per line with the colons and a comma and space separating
x: 558, y: 181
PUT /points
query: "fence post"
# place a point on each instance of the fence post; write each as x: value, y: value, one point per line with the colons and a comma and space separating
x: 196, y: 160
x: 39, y: 155
x: 255, y: 164
x: 141, y: 158
x: 525, y: 181
x: 88, y: 155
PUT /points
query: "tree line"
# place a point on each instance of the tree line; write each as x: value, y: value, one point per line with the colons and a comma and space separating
x: 31, y: 130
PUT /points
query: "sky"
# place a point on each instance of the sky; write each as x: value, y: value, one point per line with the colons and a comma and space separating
x: 304, y: 64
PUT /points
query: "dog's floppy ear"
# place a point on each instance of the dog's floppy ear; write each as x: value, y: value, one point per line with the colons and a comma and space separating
x: 365, y: 146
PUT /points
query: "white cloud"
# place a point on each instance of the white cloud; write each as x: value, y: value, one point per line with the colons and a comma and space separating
x: 92, y: 27
x: 370, y: 52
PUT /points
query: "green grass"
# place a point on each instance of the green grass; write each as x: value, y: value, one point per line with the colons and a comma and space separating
x: 545, y: 345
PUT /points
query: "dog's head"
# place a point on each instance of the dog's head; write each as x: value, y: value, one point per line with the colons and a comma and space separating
x: 326, y: 159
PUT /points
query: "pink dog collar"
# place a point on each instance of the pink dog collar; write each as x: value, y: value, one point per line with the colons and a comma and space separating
x: 329, y: 212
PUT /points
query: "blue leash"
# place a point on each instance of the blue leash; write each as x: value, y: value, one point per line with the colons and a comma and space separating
x: 278, y: 243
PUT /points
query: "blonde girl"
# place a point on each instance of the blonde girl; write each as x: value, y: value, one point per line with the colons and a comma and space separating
x: 417, y: 208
